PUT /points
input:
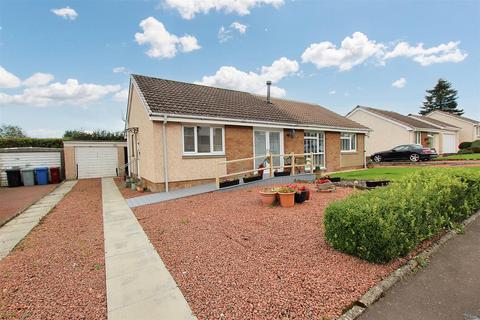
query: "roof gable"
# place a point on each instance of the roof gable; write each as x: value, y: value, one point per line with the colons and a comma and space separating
x: 462, y: 118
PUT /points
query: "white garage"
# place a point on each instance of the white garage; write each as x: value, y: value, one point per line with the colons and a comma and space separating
x: 449, y: 143
x: 94, y: 159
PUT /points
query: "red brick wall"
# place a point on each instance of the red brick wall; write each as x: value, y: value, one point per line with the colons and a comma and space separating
x: 239, y: 144
x: 293, y: 144
x: 332, y: 150
x: 424, y: 139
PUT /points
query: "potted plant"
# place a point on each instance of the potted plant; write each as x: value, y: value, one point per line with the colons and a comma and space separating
x: 300, y: 194
x: 378, y: 183
x: 286, y: 196
x: 268, y: 196
x: 133, y: 184
x: 324, y: 184
x: 229, y: 182
x: 252, y: 178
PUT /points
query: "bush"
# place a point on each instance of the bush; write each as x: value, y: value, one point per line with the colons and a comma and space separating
x: 386, y: 223
x: 476, y: 144
x: 30, y: 142
x: 465, y: 151
x: 464, y: 145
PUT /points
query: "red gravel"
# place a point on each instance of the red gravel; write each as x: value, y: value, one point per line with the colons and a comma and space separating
x: 235, y: 259
x: 15, y: 200
x: 57, y: 271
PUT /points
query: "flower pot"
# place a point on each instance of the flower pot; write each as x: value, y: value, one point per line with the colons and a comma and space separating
x: 139, y: 189
x: 335, y: 179
x: 268, y: 197
x: 287, y: 200
x: 133, y: 186
x: 251, y: 179
x: 281, y: 174
x: 374, y: 184
x: 325, y: 186
x: 309, y: 195
x: 300, y: 197
x: 229, y: 183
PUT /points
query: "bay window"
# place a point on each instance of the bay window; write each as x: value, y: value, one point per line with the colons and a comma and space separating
x: 203, y: 140
x: 348, y: 142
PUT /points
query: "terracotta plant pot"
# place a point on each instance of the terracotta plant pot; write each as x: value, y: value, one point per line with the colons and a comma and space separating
x: 287, y: 200
x: 139, y: 189
x: 268, y: 197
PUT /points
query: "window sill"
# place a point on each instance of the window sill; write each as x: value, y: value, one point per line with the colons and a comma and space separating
x: 349, y: 152
x: 202, y: 156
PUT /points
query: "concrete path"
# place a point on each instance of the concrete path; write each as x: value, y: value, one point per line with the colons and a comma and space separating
x: 449, y: 288
x: 139, y: 285
x: 210, y: 187
x: 16, y: 229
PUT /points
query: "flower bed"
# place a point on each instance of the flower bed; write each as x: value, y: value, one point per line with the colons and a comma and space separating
x: 235, y: 259
x: 389, y: 222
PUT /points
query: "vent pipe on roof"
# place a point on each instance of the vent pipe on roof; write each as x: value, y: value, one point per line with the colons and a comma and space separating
x: 269, y: 83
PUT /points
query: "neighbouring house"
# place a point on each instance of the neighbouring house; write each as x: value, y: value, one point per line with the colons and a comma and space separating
x: 469, y: 128
x: 390, y: 129
x: 180, y: 134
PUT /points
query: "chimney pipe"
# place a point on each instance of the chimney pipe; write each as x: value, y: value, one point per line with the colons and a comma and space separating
x: 269, y: 83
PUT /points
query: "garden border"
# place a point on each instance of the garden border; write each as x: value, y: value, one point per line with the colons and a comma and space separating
x: 376, y: 292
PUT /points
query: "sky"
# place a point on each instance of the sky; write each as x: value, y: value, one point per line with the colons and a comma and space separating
x: 66, y: 64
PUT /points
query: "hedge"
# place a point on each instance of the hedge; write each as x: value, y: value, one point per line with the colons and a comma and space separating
x: 389, y: 222
x: 30, y: 142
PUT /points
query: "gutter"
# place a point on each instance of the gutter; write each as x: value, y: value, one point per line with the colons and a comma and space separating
x: 165, y: 155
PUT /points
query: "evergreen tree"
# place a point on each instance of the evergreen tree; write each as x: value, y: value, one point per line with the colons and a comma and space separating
x: 442, y: 97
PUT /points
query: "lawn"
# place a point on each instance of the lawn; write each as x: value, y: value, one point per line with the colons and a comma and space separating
x: 388, y: 173
x: 472, y: 156
x: 235, y: 259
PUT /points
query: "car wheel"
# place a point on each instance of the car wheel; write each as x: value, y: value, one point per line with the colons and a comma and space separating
x: 377, y: 158
x: 414, y: 157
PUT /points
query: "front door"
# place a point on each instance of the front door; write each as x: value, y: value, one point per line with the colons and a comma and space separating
x: 268, y: 142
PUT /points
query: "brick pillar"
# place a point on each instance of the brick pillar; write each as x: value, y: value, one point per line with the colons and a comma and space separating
x: 239, y: 144
x: 332, y: 151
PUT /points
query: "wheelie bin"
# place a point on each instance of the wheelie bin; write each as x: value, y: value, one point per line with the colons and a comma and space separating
x: 55, y: 175
x: 41, y: 175
x: 28, y: 177
x: 13, y: 177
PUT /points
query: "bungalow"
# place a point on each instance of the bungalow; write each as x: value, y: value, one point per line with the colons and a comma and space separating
x: 469, y: 128
x: 182, y: 134
x: 390, y: 129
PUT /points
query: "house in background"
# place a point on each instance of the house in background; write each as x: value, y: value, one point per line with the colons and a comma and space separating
x: 178, y: 133
x: 469, y: 128
x: 390, y: 129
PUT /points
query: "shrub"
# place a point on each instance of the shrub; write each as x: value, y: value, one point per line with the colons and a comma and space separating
x: 30, y: 142
x: 465, y: 151
x: 386, y: 223
x: 476, y: 144
x: 464, y: 145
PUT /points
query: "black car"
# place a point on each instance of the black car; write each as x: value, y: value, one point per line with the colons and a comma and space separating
x: 412, y: 152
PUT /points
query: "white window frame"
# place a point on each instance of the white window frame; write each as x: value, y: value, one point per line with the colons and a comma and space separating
x: 477, y: 131
x: 195, y: 140
x: 418, y: 137
x: 317, y: 139
x: 350, y: 135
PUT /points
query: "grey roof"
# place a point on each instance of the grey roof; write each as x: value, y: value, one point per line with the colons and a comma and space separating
x: 187, y: 99
x: 400, y: 118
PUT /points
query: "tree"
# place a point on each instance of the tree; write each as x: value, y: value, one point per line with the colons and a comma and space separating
x: 95, y: 135
x: 442, y: 97
x: 11, y: 131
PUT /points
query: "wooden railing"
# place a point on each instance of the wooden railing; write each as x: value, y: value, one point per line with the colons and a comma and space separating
x: 308, y: 162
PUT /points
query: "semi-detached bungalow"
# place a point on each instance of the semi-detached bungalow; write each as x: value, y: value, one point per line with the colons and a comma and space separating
x: 469, y: 128
x: 181, y: 134
x: 390, y: 129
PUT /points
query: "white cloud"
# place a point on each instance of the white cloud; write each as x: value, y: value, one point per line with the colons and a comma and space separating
x: 121, y: 96
x: 66, y: 13
x: 120, y: 70
x: 400, y: 83
x: 353, y: 51
x: 239, y: 27
x: 162, y: 43
x: 358, y: 48
x: 39, y: 91
x: 189, y: 8
x: 38, y: 79
x: 332, y: 92
x: 8, y: 80
x: 449, y: 52
x: 225, y: 34
x: 231, y: 78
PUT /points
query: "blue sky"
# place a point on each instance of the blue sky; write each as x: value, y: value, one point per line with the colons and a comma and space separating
x: 335, y: 53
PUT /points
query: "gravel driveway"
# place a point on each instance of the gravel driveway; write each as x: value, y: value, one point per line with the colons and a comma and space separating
x: 57, y: 271
x: 234, y: 259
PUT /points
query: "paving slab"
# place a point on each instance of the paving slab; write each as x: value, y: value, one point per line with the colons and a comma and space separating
x: 139, y: 285
x: 16, y: 229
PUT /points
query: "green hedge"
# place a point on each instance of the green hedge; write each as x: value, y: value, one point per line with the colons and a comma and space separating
x: 30, y: 142
x: 389, y: 222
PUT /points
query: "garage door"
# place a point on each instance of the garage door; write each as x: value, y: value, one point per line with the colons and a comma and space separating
x: 449, y: 143
x: 96, y: 162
